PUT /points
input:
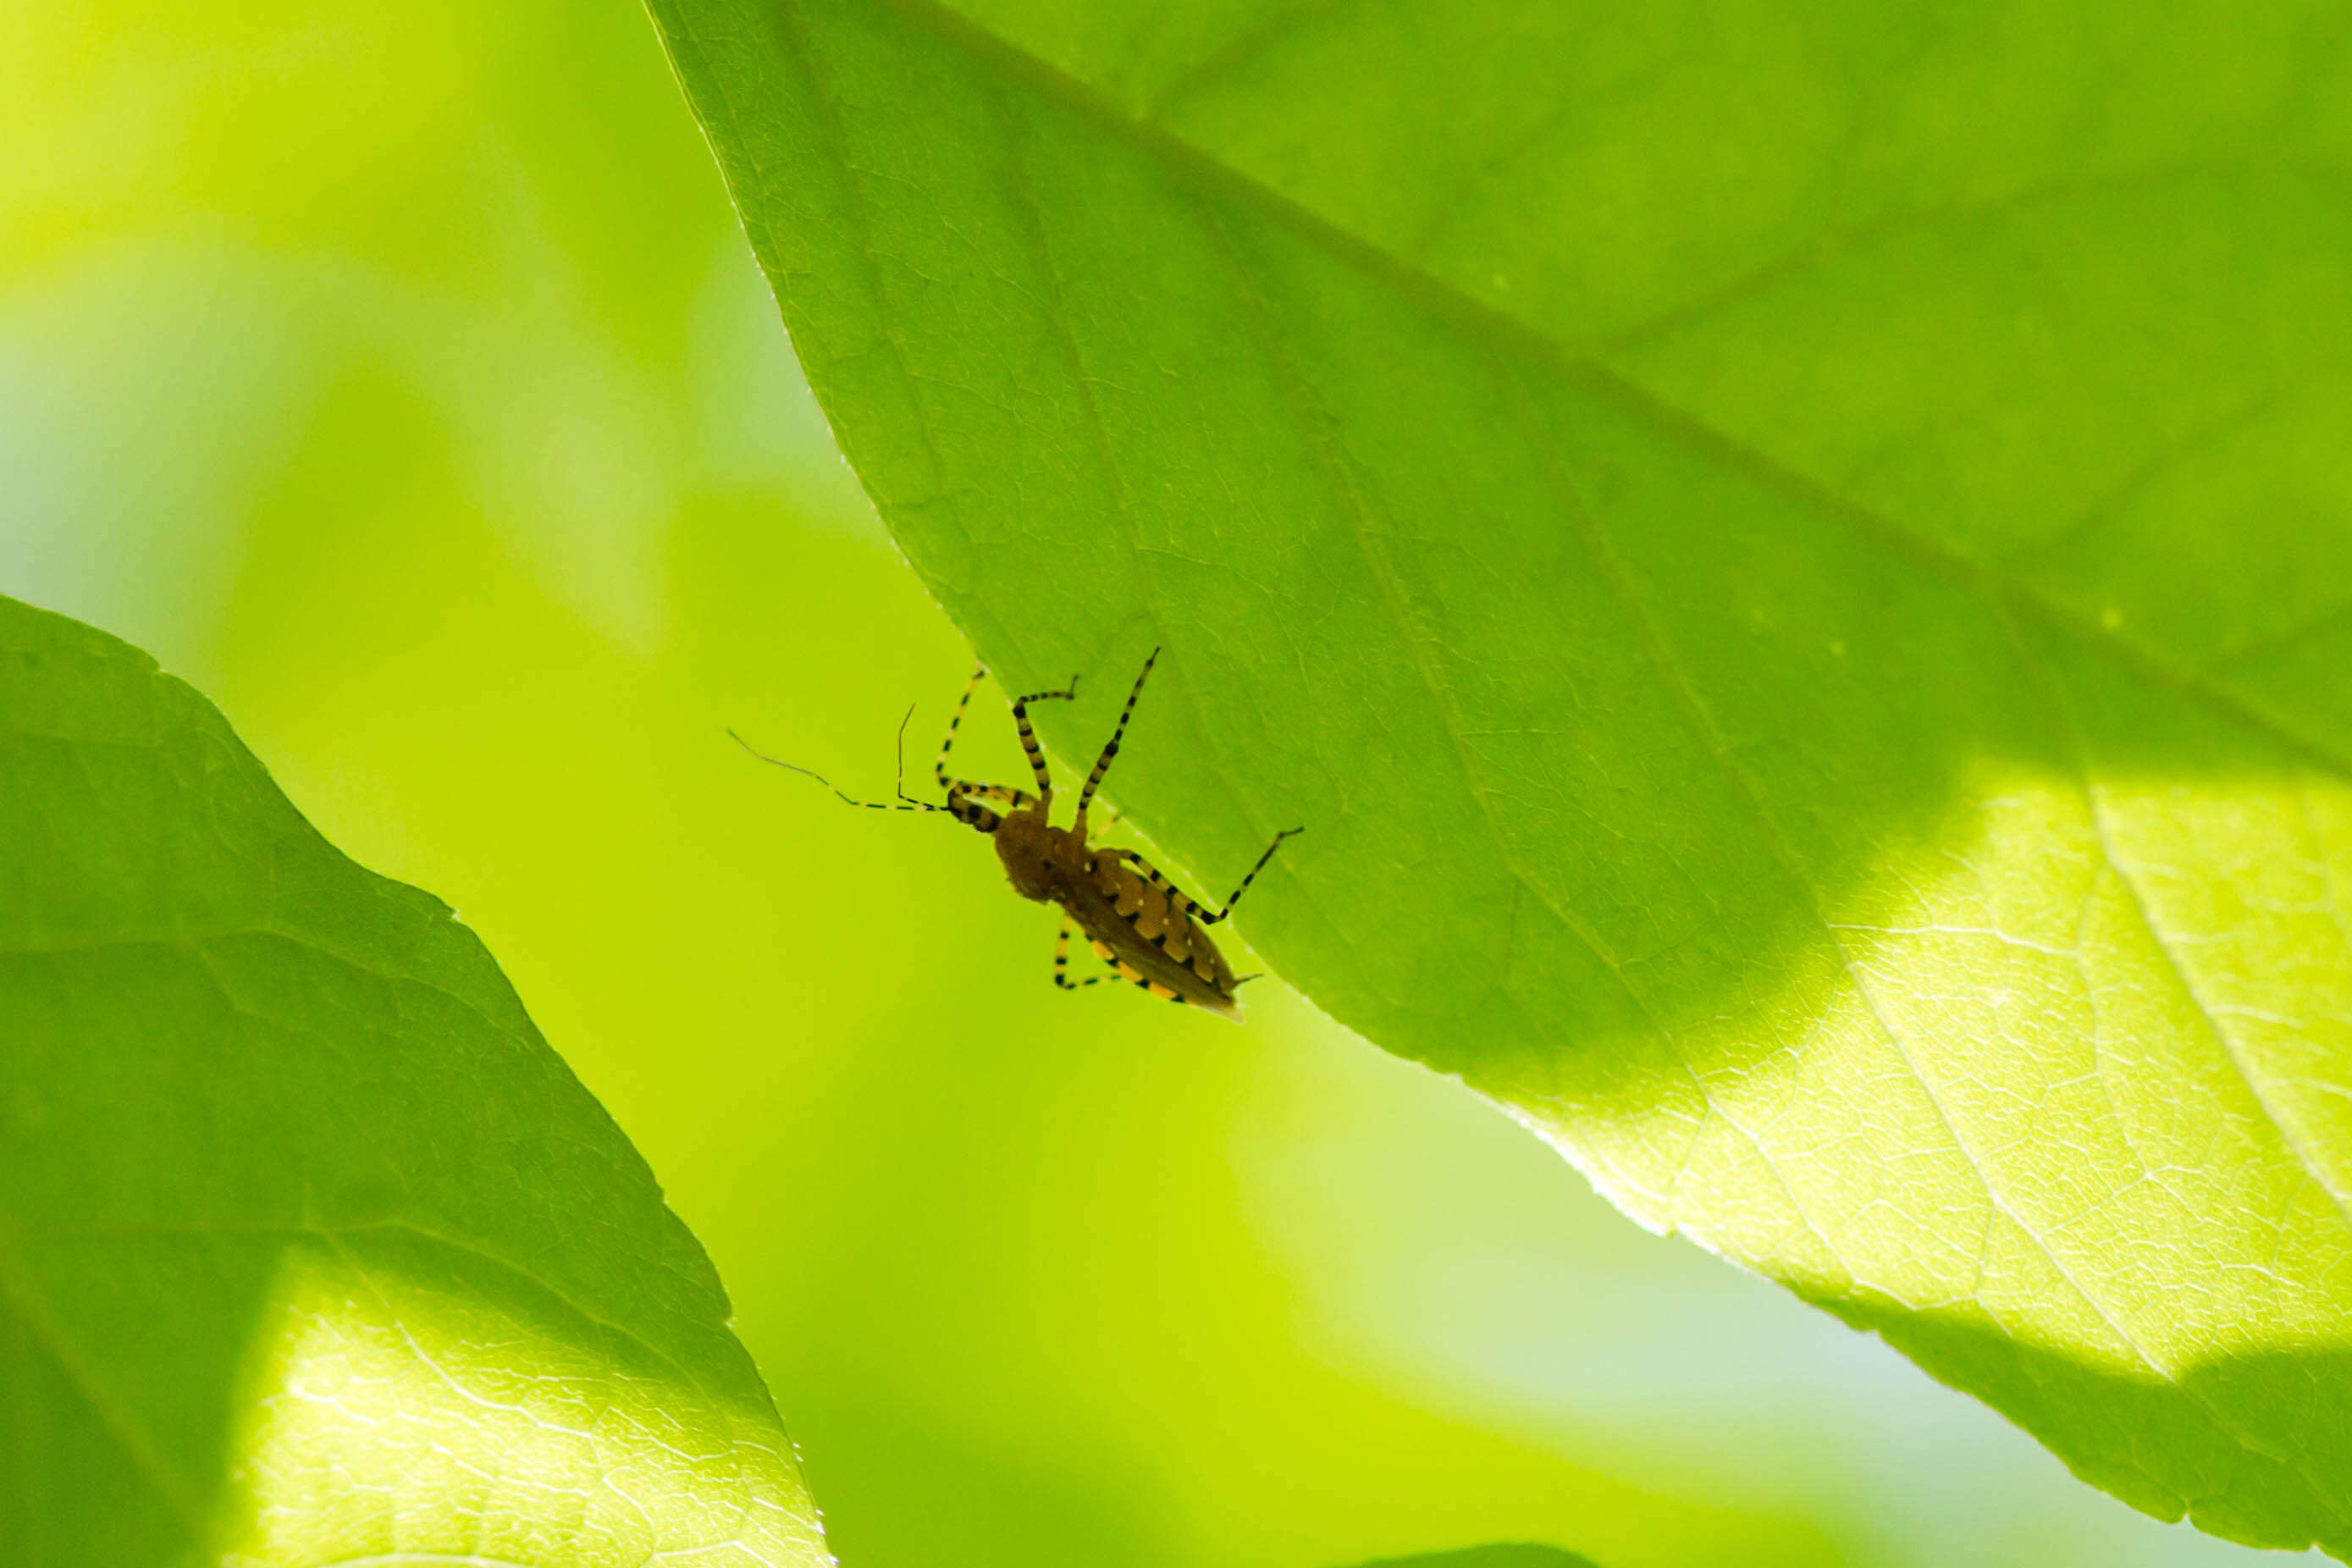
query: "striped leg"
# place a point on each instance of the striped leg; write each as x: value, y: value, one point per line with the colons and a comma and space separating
x: 1029, y: 736
x: 1151, y: 875
x: 1206, y: 917
x: 939, y: 768
x: 1102, y: 763
x: 964, y: 794
x: 1005, y: 795
x: 972, y: 814
x: 1062, y: 962
x: 1220, y: 914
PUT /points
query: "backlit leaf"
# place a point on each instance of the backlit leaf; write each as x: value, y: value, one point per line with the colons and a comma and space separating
x: 311, y: 1249
x: 1795, y: 565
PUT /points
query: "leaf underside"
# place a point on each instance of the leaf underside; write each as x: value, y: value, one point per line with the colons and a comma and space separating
x: 311, y: 1249
x: 1796, y: 567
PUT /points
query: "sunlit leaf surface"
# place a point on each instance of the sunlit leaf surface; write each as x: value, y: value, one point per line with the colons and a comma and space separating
x: 1796, y: 568
x: 311, y: 1249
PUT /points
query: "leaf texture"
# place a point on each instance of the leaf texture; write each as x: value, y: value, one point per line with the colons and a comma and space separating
x: 311, y: 1249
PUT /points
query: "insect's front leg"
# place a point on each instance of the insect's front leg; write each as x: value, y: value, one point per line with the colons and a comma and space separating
x: 1029, y: 736
x: 955, y: 722
x: 966, y: 798
x: 964, y: 794
x: 1005, y: 795
x: 1012, y: 798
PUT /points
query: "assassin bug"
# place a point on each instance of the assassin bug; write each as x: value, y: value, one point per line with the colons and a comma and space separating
x: 1134, y: 918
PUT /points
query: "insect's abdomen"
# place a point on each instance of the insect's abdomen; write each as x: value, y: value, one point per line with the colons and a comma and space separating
x: 1134, y: 925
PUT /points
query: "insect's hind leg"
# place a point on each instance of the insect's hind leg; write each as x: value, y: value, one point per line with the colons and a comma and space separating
x: 1153, y: 874
x: 1062, y: 962
x: 1176, y: 896
x: 1207, y: 919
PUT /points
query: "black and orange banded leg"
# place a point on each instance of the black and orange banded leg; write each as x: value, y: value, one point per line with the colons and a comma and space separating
x: 1177, y: 896
x: 1062, y: 962
x: 964, y: 795
x: 971, y: 813
x: 1029, y: 736
x: 955, y: 719
x: 1152, y: 873
x: 1005, y: 795
x: 1102, y: 763
x: 1220, y: 914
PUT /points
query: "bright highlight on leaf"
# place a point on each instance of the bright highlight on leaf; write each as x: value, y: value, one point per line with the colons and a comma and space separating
x: 1799, y: 566
x: 311, y: 1249
x: 429, y: 1401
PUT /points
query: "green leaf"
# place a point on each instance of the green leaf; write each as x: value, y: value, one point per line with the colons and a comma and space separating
x: 1795, y: 565
x: 311, y: 1249
x: 1511, y: 1555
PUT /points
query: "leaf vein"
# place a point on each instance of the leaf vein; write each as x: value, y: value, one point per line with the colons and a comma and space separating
x: 1516, y: 338
x: 1661, y: 657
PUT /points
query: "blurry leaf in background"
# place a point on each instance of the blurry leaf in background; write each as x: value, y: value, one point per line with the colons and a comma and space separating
x: 1796, y: 566
x: 1500, y: 1556
x: 311, y: 1249
x: 1487, y: 1557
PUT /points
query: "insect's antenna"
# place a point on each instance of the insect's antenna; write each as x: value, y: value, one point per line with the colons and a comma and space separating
x: 908, y: 805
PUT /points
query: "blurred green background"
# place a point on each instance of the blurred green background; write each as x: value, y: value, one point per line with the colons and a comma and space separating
x: 398, y: 374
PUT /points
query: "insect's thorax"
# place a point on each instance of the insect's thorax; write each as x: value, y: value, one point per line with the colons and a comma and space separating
x: 1040, y: 859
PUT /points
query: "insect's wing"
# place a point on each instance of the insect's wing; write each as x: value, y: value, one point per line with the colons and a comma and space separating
x: 1183, y: 966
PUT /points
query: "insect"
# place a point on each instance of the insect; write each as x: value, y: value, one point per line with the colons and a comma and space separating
x: 1135, y: 918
